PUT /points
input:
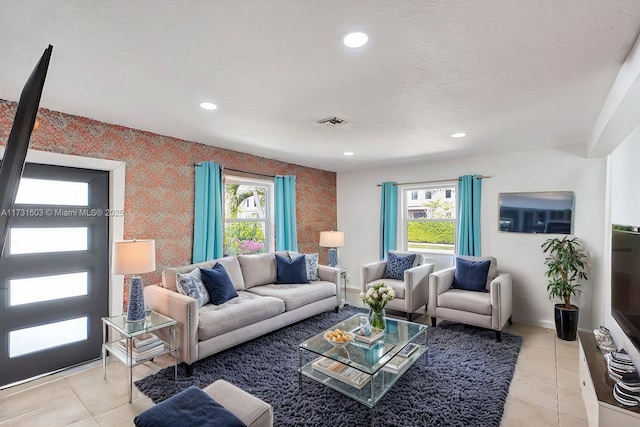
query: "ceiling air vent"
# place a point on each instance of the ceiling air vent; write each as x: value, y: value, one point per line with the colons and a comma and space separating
x: 332, y: 121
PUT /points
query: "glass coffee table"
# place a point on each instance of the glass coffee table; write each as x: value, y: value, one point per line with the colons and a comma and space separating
x: 361, y: 370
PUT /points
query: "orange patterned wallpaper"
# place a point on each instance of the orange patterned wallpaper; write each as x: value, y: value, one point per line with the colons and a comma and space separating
x: 159, y: 185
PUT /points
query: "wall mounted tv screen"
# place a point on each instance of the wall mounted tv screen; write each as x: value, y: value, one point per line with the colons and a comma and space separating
x: 625, y: 280
x: 546, y: 212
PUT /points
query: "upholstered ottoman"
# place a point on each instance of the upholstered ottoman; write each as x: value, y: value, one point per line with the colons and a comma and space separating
x: 219, y: 404
x: 251, y: 410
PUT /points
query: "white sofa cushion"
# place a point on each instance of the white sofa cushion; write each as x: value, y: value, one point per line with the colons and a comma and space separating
x: 459, y: 299
x: 295, y: 296
x: 258, y: 269
x: 246, y: 309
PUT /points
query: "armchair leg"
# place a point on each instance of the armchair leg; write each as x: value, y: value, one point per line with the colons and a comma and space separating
x: 336, y: 309
x: 409, y: 317
x: 498, y: 336
x: 189, y: 370
x: 433, y: 322
x: 510, y: 321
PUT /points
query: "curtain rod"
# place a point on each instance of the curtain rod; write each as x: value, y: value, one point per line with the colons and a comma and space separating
x: 434, y: 181
x: 241, y: 171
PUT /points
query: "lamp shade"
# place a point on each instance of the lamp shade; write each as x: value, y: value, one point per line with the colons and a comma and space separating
x: 134, y: 256
x: 331, y: 239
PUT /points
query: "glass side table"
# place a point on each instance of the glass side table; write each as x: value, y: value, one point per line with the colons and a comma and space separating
x: 123, y: 348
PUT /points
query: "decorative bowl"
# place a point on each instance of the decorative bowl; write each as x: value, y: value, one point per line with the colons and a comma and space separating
x: 338, y: 337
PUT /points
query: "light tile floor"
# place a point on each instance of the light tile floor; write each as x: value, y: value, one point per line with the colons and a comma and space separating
x: 544, y: 392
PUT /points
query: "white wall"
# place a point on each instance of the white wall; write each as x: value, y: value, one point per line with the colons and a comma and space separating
x: 517, y: 253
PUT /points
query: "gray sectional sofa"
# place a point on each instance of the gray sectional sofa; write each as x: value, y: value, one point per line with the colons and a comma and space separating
x: 261, y: 306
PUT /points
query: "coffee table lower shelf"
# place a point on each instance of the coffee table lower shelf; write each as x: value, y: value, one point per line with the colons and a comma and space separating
x: 372, y: 391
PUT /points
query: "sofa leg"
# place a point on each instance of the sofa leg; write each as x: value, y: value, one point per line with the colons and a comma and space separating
x: 499, y: 336
x: 510, y: 321
x: 189, y: 370
x: 433, y: 322
x: 337, y: 309
x: 409, y: 317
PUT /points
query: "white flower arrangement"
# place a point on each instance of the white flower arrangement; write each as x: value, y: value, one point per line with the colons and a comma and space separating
x: 378, y: 296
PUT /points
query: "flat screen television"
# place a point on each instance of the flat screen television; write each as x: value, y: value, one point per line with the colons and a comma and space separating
x: 547, y: 212
x: 15, y: 152
x: 625, y: 280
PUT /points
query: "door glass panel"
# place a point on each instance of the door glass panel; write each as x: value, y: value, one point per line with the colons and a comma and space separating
x: 44, y: 240
x: 37, y: 338
x: 47, y: 288
x: 48, y: 192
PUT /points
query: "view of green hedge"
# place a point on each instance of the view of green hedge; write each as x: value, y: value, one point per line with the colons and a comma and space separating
x: 431, y: 232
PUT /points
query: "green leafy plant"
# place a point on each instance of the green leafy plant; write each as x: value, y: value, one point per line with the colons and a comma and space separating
x: 566, y: 267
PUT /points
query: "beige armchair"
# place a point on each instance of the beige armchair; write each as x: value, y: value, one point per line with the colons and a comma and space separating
x: 491, y: 309
x: 411, y: 293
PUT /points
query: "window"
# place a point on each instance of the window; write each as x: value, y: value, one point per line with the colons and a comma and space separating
x: 428, y: 225
x: 248, y: 222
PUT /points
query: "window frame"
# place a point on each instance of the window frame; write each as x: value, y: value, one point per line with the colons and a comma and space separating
x: 269, y: 219
x: 404, y: 197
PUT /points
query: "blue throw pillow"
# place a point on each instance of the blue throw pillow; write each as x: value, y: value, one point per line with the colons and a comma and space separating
x: 190, y: 407
x: 291, y: 270
x: 397, y: 264
x: 471, y: 275
x: 218, y: 284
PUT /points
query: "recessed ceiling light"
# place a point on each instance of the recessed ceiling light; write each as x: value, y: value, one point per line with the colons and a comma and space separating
x: 355, y: 39
x: 348, y: 153
x: 208, y: 105
x: 458, y: 135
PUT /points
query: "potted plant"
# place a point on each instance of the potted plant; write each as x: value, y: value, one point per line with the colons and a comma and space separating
x: 566, y: 267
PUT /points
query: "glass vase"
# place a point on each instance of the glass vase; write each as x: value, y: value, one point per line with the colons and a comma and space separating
x: 376, y: 318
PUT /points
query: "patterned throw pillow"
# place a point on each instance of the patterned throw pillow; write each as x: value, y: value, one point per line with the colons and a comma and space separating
x: 397, y: 264
x: 311, y: 262
x: 191, y: 285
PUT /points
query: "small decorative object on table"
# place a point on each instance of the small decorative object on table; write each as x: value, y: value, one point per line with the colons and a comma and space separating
x: 365, y: 326
x: 377, y: 298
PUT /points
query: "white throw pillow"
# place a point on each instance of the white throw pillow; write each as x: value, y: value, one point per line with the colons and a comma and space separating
x: 191, y: 285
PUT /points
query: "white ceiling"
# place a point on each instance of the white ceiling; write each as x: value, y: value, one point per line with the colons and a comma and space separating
x: 515, y: 75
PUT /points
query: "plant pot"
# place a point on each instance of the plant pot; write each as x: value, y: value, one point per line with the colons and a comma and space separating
x: 566, y: 322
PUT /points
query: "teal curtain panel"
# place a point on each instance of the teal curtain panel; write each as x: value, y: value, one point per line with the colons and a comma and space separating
x: 469, y: 201
x: 285, y: 213
x: 208, y: 227
x: 388, y: 218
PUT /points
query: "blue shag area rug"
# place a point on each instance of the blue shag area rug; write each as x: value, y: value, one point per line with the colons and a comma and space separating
x: 465, y: 382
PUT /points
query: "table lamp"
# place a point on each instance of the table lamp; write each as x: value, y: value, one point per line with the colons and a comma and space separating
x: 134, y: 257
x: 332, y: 240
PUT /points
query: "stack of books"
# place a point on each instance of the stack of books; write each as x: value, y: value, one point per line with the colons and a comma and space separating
x: 342, y: 372
x: 144, y: 347
x: 399, y: 361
